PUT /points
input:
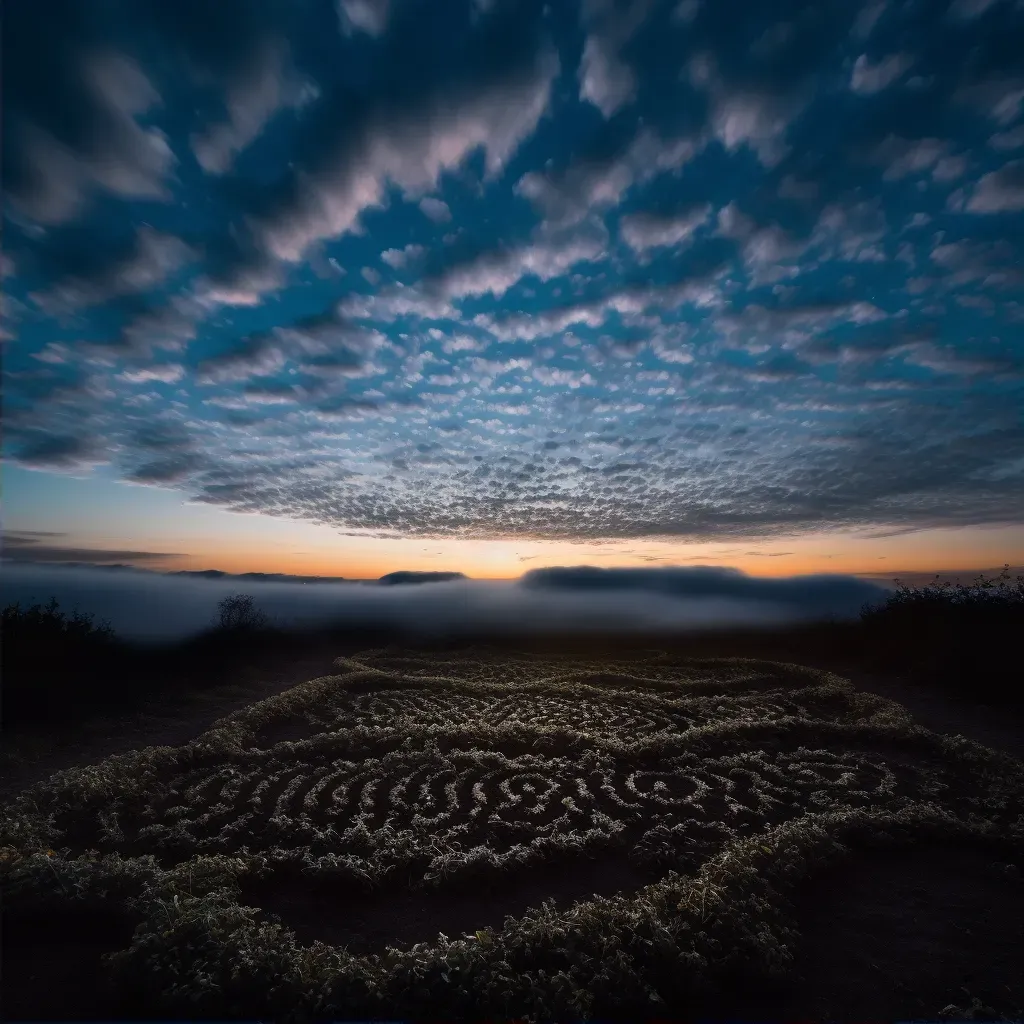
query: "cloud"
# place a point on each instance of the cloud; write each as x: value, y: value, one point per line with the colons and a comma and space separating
x: 605, y: 79
x: 409, y: 148
x: 947, y: 360
x: 765, y: 248
x: 166, y: 373
x: 686, y: 10
x: 851, y: 231
x: 643, y: 231
x: 816, y: 594
x: 324, y: 344
x: 903, y: 157
x: 593, y: 183
x: 786, y: 365
x: 868, y: 78
x: 71, y: 117
x: 966, y: 10
x: 151, y: 606
x: 436, y: 209
x: 792, y: 326
x: 1012, y: 139
x: 36, y: 546
x: 496, y: 271
x: 397, y: 259
x: 59, y: 452
x: 792, y: 188
x: 134, y: 266
x: 949, y: 168
x: 754, y: 115
x: 256, y: 92
x: 167, y: 472
x: 968, y: 261
x: 999, y: 191
x: 398, y: 300
x: 254, y: 355
x: 168, y: 326
x: 369, y: 16
x: 999, y: 95
x: 867, y: 18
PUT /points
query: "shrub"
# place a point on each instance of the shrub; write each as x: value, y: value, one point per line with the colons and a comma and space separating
x: 239, y: 612
x: 964, y: 634
x: 49, y: 629
x: 51, y: 657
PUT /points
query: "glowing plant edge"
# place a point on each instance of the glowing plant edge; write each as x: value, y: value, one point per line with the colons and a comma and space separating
x: 649, y: 950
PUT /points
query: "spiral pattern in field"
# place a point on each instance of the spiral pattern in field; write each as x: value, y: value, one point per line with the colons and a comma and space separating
x: 695, y: 793
x: 556, y: 755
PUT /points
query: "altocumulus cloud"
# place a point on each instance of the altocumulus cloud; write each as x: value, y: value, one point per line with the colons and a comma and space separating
x: 522, y: 269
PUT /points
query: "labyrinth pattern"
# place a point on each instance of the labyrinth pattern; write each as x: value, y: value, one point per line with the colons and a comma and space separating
x: 414, y: 770
x: 441, y: 754
x: 486, y: 799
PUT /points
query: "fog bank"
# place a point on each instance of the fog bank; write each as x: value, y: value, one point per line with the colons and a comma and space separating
x: 144, y: 605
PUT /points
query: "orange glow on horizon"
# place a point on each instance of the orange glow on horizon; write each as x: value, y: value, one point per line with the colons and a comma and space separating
x: 170, y: 533
x: 324, y: 552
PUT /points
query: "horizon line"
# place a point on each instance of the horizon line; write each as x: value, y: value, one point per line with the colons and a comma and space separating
x: 891, y: 575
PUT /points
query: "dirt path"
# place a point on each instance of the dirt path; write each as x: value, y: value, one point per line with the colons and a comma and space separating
x: 33, y: 757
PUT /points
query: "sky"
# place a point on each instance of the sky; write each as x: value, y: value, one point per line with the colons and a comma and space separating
x: 348, y: 287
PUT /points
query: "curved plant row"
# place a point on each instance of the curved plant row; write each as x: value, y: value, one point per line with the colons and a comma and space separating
x: 728, y: 783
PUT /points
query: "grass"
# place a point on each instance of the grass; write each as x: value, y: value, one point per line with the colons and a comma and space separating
x: 710, y: 793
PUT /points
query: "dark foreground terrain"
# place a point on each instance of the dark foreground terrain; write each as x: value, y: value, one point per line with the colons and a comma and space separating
x: 502, y: 831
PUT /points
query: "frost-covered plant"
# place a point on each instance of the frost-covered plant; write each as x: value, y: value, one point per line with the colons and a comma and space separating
x: 727, y: 784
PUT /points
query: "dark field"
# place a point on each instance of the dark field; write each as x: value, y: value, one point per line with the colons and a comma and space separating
x: 505, y: 832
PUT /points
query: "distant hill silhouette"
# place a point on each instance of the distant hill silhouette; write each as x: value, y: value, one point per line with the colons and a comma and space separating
x: 257, y: 577
x: 407, y: 576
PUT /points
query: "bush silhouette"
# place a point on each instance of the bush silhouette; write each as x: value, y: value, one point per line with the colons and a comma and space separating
x: 239, y: 612
x: 52, y: 629
x: 49, y: 653
x: 967, y: 635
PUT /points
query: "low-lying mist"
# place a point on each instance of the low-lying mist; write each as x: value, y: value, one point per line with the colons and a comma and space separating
x: 149, y: 606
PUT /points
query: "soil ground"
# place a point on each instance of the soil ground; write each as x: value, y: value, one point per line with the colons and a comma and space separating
x: 906, y: 934
x: 893, y: 935
x: 32, y: 755
x: 369, y: 922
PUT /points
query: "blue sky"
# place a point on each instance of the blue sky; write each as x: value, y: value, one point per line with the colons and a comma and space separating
x: 513, y: 274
